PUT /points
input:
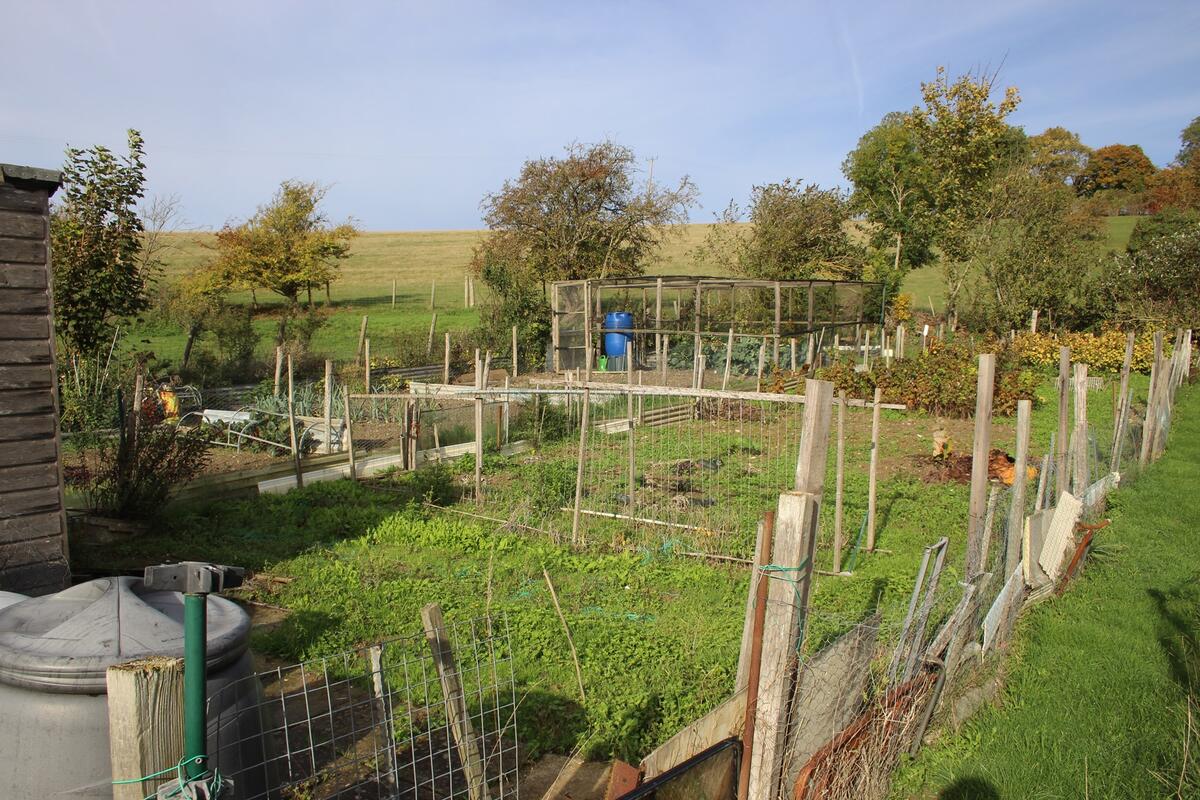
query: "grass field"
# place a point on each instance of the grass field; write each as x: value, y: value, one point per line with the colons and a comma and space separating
x: 1104, y: 683
x: 418, y: 260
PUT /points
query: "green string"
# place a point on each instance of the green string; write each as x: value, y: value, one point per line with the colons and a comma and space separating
x: 213, y: 779
x: 776, y: 572
x: 862, y: 530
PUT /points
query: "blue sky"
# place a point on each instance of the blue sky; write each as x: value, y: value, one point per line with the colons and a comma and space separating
x: 414, y: 111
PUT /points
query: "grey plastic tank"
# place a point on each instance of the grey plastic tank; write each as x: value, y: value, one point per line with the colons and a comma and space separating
x: 54, y: 651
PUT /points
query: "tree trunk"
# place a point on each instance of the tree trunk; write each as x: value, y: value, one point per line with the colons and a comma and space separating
x: 253, y: 300
x: 309, y: 288
x: 899, y: 244
x: 193, y: 331
x: 328, y: 301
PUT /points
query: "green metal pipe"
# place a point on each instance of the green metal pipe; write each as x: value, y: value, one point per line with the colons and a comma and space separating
x: 195, y: 669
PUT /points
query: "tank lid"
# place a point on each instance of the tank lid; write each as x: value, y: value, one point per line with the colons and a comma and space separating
x: 65, y: 642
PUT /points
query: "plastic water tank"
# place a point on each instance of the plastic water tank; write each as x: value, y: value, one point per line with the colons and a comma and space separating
x: 54, y: 652
x: 614, y: 343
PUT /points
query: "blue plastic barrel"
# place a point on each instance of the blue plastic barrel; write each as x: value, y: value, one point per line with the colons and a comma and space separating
x: 614, y: 343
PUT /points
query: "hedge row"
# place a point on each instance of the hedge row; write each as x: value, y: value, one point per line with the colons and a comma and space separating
x: 1103, y: 352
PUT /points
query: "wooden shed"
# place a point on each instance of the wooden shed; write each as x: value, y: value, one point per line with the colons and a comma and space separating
x: 33, y: 531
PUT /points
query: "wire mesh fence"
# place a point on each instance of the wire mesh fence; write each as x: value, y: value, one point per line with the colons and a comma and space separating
x: 424, y: 717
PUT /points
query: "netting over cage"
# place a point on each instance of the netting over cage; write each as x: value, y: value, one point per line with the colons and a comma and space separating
x: 667, y: 311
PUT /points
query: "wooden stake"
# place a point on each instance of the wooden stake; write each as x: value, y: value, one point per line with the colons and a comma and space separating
x: 328, y: 406
x: 874, y: 469
x: 145, y: 723
x: 367, y: 366
x: 980, y: 455
x: 658, y: 353
x: 1082, y: 446
x: 1033, y: 322
x: 567, y: 631
x: 393, y: 294
x: 349, y: 435
x: 515, y: 358
x: 1016, y: 511
x: 756, y: 614
x: 580, y: 456
x: 762, y: 355
x: 446, y: 361
x: 1062, y: 477
x: 362, y: 337
x: 278, y: 369
x: 380, y: 694
x: 465, y: 740
x: 429, y: 340
x: 478, y: 432
x: 466, y: 291
x: 792, y: 342
x: 839, y: 483
x: 632, y: 474
x: 666, y: 354
x: 728, y: 360
x: 291, y: 407
x: 432, y: 294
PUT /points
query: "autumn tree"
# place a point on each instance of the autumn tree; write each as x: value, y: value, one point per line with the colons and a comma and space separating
x: 1158, y: 285
x: 1189, y: 139
x: 100, y: 271
x: 892, y: 182
x: 1115, y: 168
x: 582, y: 215
x: 287, y: 247
x: 1057, y: 155
x: 965, y: 140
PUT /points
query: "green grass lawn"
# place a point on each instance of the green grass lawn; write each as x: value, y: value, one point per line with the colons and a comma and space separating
x: 1096, y: 702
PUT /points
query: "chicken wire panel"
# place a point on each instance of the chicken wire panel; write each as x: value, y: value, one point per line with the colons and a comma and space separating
x: 373, y: 722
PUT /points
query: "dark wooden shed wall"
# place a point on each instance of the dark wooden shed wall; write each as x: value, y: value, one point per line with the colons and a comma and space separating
x: 33, y: 543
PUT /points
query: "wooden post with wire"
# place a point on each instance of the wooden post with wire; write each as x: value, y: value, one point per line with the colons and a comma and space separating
x: 470, y: 754
x: 872, y: 477
x: 980, y: 456
x: 1122, y: 415
x: 393, y: 294
x: 579, y: 461
x: 515, y: 359
x: 728, y: 360
x: 145, y: 723
x: 1016, y: 511
x: 1062, y: 477
x: 327, y: 408
x: 632, y: 476
x: 479, y: 379
x: 1080, y: 444
x: 787, y: 596
x: 291, y: 407
x: 757, y: 614
x: 349, y: 435
x: 432, y: 294
x: 762, y: 355
x: 446, y: 361
x: 362, y: 337
x: 839, y: 483
x: 432, y: 330
x: 278, y: 369
x: 658, y: 353
x: 366, y: 366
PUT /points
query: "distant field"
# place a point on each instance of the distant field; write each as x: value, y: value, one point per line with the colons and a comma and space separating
x: 419, y: 259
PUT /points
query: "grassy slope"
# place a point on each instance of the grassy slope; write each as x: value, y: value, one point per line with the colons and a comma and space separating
x: 1096, y: 695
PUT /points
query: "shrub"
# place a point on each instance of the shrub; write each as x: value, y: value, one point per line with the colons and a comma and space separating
x: 941, y: 380
x: 1103, y: 352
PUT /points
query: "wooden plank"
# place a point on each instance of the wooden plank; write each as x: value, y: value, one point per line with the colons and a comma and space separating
x: 21, y: 401
x: 979, y: 464
x: 45, y: 549
x: 1016, y: 511
x: 22, y: 276
x: 24, y: 326
x: 1080, y: 478
x: 24, y: 301
x: 20, y: 452
x: 32, y: 526
x: 30, y: 501
x: 760, y: 560
x: 14, y: 199
x: 872, y: 474
x: 145, y: 723
x: 726, y: 720
x: 465, y: 741
x: 1061, y: 535
x: 23, y: 251
x: 839, y: 483
x: 27, y: 428
x: 381, y: 717
x: 1061, y: 475
x: 1122, y: 416
x: 349, y: 435
x: 25, y: 351
x: 28, y: 476
x: 327, y: 405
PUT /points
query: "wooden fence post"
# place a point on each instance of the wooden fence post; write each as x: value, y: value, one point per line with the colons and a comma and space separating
x: 465, y: 741
x: 874, y: 468
x: 839, y: 482
x: 432, y: 329
x: 1081, y: 445
x: 479, y: 381
x: 362, y: 337
x: 291, y: 407
x: 632, y: 477
x: 1062, y: 474
x: 1033, y: 321
x: 787, y: 599
x: 432, y: 295
x: 580, y: 456
x: 379, y: 694
x: 1151, y: 421
x: 349, y: 434
x: 145, y: 723
x: 792, y: 342
x: 762, y: 355
x: 278, y: 369
x: 666, y: 354
x: 1122, y: 405
x: 728, y: 360
x: 446, y: 361
x: 367, y: 366
x: 466, y: 291
x: 393, y: 294
x: 328, y: 406
x: 1016, y: 511
x: 515, y: 354
x: 980, y: 455
x: 658, y: 355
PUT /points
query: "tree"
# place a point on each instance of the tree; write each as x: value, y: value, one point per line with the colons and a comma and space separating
x: 579, y: 216
x: 892, y: 188
x: 1033, y: 248
x: 1189, y: 138
x: 287, y: 247
x: 795, y: 231
x: 96, y: 235
x: 1150, y: 229
x: 965, y: 141
x: 1057, y: 155
x: 1159, y: 284
x: 1115, y: 168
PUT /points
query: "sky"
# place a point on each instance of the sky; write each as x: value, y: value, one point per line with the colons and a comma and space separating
x: 412, y: 112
